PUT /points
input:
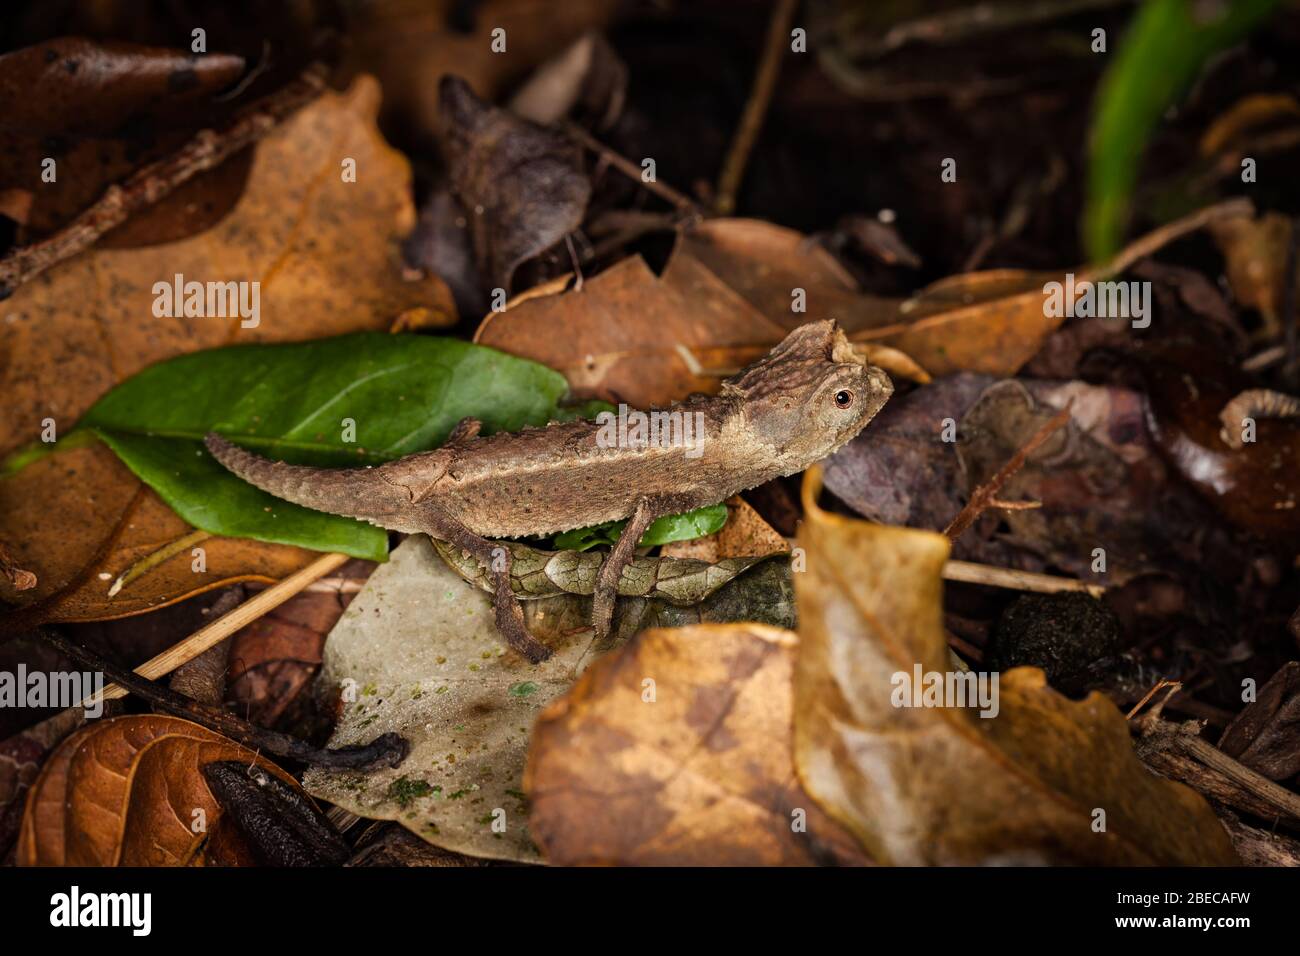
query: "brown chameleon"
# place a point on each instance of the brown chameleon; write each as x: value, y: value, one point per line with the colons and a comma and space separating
x: 802, y: 401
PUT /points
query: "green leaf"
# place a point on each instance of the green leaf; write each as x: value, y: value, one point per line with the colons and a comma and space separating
x: 684, y: 527
x: 404, y: 393
x: 1161, y: 53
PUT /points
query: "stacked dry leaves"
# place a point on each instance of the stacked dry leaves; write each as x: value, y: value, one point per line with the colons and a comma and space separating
x: 1049, y: 509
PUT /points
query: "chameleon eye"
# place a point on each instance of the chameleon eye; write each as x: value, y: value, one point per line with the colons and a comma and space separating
x: 843, y: 398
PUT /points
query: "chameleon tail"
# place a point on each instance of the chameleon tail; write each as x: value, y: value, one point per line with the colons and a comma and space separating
x: 355, y: 492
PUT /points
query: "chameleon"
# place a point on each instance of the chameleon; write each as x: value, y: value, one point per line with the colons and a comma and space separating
x: 788, y: 410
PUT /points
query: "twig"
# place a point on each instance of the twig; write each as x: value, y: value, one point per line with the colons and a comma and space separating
x: 1243, y: 776
x: 985, y: 496
x: 631, y: 170
x: 1160, y: 237
x: 1159, y: 685
x: 957, y: 26
x: 155, y: 558
x: 751, y: 120
x: 1256, y: 794
x: 970, y: 573
x: 20, y: 578
x: 386, y: 750
x: 151, y: 183
x: 224, y: 626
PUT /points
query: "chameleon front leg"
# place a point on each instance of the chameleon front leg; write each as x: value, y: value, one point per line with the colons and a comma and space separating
x: 496, y: 560
x: 606, y: 588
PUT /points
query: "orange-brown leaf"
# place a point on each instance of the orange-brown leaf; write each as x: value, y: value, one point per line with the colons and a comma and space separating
x: 124, y: 792
x: 942, y: 785
x: 699, y: 776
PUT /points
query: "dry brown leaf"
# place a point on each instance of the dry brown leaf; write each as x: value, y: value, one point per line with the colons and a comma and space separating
x: 521, y: 185
x: 744, y: 535
x: 1256, y: 253
x: 124, y: 792
x: 88, y: 323
x: 80, y: 518
x: 723, y: 300
x: 410, y: 45
x: 79, y: 329
x: 942, y: 785
x: 700, y: 775
x: 273, y: 659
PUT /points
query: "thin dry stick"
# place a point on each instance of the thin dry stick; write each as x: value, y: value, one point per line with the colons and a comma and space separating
x: 977, y: 20
x: 970, y: 573
x: 151, y: 183
x: 631, y: 170
x: 1214, y: 758
x: 224, y: 626
x: 986, y: 495
x: 1243, y: 776
x: 155, y: 558
x: 1157, y: 239
x: 1160, y: 685
x: 751, y: 120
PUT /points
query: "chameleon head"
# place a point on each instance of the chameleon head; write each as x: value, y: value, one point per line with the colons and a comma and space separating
x: 810, y: 395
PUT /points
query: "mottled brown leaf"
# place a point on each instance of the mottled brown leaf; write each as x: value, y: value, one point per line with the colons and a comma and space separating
x: 943, y: 785
x: 699, y: 774
x: 124, y: 792
x: 79, y: 329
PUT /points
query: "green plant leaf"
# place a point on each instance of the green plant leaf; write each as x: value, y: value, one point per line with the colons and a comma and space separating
x: 683, y: 527
x: 1161, y: 53
x: 403, y: 393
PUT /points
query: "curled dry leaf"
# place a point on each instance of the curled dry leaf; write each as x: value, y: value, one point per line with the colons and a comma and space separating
x: 100, y: 110
x: 521, y: 185
x: 127, y: 792
x: 722, y: 301
x: 1256, y: 253
x: 676, y: 752
x: 942, y: 785
x: 66, y: 346
x: 537, y: 574
x: 725, y: 298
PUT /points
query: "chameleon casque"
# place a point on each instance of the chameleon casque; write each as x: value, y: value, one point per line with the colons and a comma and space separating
x: 796, y: 405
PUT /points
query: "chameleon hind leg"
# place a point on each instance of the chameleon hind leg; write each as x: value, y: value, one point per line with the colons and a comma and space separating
x: 496, y: 560
x: 611, y: 570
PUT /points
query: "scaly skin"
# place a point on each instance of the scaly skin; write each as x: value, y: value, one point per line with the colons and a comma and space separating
x: 777, y: 417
